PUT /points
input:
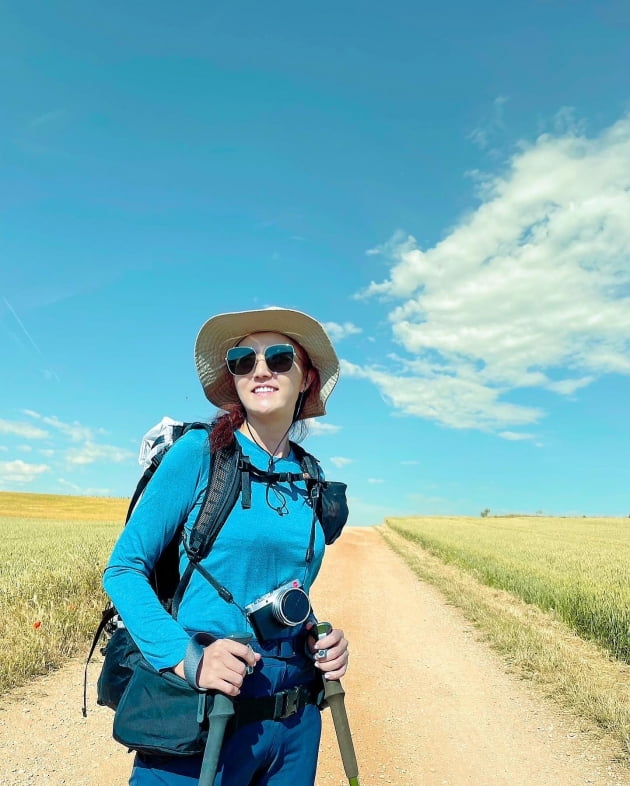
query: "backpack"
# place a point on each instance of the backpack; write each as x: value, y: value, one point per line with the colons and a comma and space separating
x: 230, y: 473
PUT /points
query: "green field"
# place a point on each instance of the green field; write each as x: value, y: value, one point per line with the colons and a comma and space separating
x: 577, y: 568
x: 52, y: 554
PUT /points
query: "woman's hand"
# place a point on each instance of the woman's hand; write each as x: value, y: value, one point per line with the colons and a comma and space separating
x: 223, y: 666
x: 335, y: 663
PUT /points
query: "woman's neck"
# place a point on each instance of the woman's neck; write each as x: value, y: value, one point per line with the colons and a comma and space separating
x: 272, y: 438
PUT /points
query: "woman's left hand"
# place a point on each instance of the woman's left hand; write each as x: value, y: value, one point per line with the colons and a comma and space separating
x: 335, y: 663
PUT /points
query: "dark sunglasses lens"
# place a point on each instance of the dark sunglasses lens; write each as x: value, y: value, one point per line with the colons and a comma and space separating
x: 240, y: 360
x: 279, y: 358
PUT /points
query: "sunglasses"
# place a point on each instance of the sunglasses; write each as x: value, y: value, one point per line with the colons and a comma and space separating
x: 242, y: 360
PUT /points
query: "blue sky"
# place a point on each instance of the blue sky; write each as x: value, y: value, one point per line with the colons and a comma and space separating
x: 445, y: 186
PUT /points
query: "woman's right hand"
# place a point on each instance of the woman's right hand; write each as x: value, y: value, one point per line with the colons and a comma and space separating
x: 223, y: 666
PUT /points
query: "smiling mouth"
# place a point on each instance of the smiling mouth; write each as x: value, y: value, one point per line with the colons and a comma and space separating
x: 264, y: 389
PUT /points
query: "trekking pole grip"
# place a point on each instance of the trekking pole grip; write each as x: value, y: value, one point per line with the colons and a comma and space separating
x: 222, y: 711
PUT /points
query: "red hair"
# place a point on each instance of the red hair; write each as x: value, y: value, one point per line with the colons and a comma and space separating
x: 224, y: 426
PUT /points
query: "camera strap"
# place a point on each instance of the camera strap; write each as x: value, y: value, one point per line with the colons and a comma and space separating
x: 222, y: 591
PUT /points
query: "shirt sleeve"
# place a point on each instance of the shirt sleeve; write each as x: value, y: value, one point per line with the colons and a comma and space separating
x: 171, y: 497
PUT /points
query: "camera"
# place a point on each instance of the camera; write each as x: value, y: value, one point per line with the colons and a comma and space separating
x: 282, y: 608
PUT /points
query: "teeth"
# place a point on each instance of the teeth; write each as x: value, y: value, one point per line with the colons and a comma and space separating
x: 263, y: 390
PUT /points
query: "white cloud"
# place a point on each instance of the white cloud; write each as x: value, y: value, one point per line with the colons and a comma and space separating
x: 90, y: 452
x: 337, y: 331
x: 62, y: 445
x: 490, y: 126
x: 19, y: 471
x: 515, y: 435
x: 316, y: 428
x: 74, y: 431
x: 568, y: 386
x: 340, y: 461
x: 86, y: 492
x: 530, y: 290
x: 22, y: 429
x: 375, y: 481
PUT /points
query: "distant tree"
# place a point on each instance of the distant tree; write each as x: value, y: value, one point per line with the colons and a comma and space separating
x: 485, y: 513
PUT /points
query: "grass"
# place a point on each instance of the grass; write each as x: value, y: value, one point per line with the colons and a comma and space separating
x: 579, y: 569
x: 549, y: 594
x: 51, y: 560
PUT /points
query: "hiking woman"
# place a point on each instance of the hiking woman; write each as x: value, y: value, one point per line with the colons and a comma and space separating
x: 268, y: 370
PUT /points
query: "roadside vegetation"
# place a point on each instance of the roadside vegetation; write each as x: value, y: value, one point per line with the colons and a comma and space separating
x: 552, y: 595
x: 52, y: 554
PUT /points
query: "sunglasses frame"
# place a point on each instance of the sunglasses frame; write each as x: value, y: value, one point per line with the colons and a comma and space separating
x: 285, y: 348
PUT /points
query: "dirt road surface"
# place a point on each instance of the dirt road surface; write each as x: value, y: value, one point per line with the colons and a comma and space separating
x: 429, y: 704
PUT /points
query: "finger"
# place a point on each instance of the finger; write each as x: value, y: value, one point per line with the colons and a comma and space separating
x: 226, y: 687
x: 337, y: 674
x: 321, y: 644
x: 243, y: 652
x: 219, y: 676
x: 331, y: 640
x: 334, y: 653
x: 230, y: 654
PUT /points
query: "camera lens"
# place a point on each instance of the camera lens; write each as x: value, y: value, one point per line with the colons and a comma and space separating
x: 291, y: 607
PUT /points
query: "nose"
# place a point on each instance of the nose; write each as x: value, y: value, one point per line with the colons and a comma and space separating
x: 264, y: 371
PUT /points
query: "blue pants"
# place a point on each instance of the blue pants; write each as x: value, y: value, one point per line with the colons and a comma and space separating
x: 268, y: 753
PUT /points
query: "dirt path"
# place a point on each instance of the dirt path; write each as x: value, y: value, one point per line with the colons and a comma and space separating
x: 429, y: 704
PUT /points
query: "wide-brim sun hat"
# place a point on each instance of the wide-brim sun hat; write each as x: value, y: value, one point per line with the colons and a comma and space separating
x: 223, y: 331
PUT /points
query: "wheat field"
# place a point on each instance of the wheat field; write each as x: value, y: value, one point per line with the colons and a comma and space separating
x: 52, y: 553
x: 576, y: 568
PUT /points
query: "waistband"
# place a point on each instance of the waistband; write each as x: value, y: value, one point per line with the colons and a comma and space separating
x: 281, y: 648
x: 278, y: 706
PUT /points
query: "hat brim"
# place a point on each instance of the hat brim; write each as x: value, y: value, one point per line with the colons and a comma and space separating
x: 223, y: 331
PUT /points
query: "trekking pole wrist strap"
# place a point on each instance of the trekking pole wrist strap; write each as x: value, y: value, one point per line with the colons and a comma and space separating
x: 194, y: 656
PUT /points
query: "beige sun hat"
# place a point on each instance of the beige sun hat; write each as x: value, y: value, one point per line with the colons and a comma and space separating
x: 223, y: 331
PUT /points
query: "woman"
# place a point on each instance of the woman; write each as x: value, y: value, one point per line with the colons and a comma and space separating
x: 268, y: 369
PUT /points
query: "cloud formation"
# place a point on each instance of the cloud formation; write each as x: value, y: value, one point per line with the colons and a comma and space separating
x: 66, y: 446
x: 22, y: 429
x: 530, y: 290
x: 340, y: 461
x: 338, y: 331
x: 20, y: 472
x: 317, y: 428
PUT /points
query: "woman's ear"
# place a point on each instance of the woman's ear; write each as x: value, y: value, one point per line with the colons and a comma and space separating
x: 308, y: 381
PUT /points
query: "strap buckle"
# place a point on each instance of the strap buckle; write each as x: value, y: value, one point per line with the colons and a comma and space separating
x: 288, y: 702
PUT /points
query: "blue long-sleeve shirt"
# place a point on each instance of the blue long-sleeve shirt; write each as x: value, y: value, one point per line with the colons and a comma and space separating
x: 257, y: 550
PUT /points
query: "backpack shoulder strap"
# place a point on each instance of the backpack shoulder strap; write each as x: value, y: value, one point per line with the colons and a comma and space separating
x: 328, y: 498
x: 308, y: 462
x: 222, y: 492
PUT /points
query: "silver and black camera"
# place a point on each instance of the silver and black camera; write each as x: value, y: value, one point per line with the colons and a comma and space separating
x: 282, y: 608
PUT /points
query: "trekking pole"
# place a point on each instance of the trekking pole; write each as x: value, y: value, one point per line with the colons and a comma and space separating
x: 334, y: 696
x: 222, y: 711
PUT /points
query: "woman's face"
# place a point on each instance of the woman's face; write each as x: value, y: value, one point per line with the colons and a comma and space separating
x: 264, y: 393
